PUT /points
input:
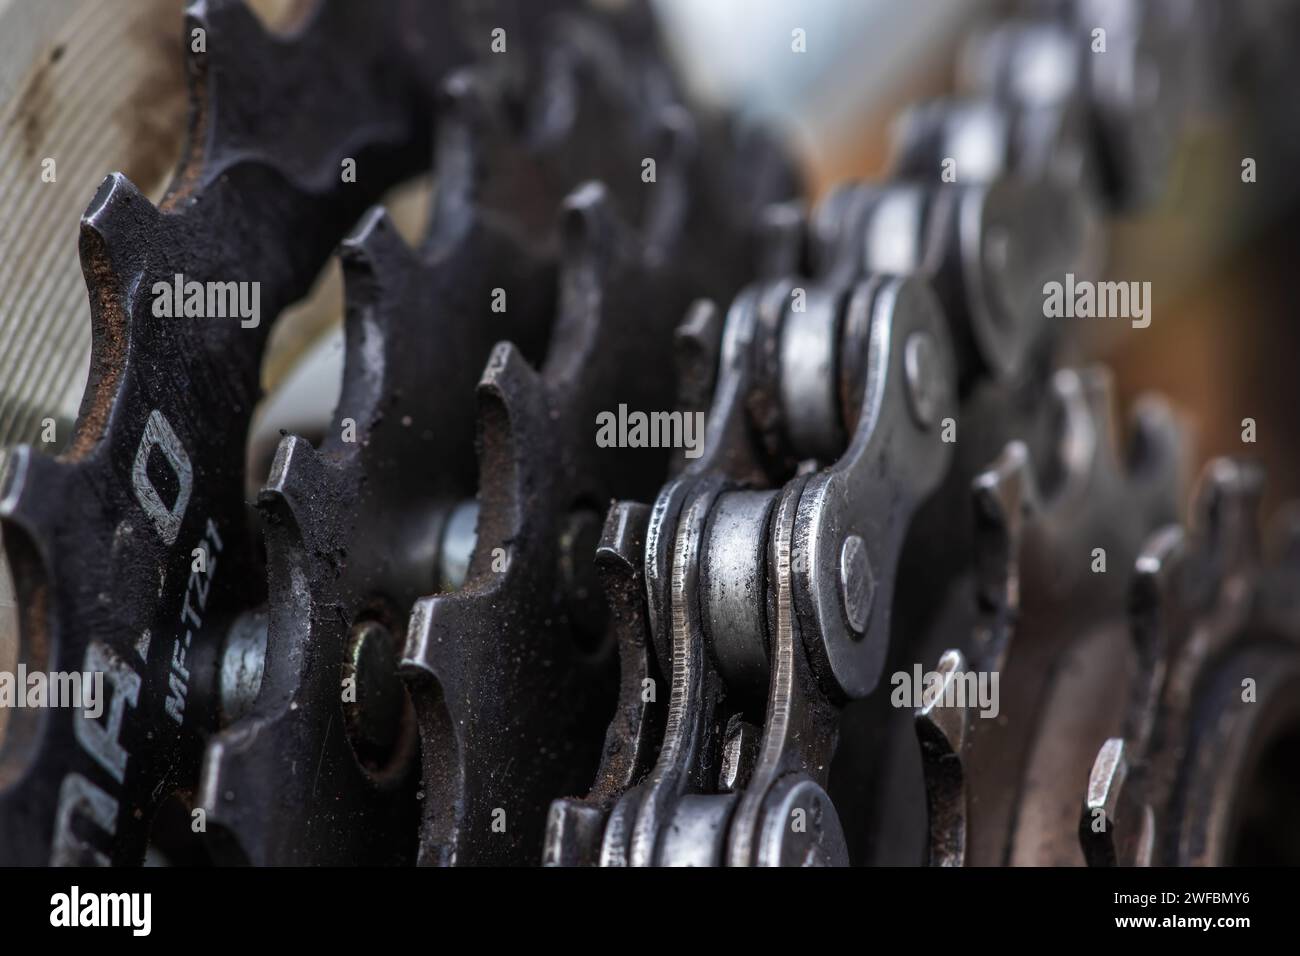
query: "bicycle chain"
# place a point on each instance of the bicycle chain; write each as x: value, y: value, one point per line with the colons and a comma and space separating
x: 791, y: 590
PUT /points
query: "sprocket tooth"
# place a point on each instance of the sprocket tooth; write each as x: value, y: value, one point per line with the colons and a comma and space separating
x: 1006, y: 493
x: 511, y: 404
x: 942, y: 732
x: 511, y: 396
x: 114, y: 232
x: 676, y: 142
x: 225, y: 789
x: 226, y: 19
x: 950, y: 724
x: 588, y: 227
x: 375, y: 251
x: 441, y: 626
x: 1157, y: 568
x: 1155, y: 600
x: 117, y: 217
x: 596, y: 246
x: 241, y: 61
x: 378, y: 266
x: 1225, y: 511
x: 1006, y: 496
x: 621, y: 546
x: 1115, y: 827
x: 231, y: 33
x: 459, y: 152
x: 1006, y: 489
x: 295, y: 479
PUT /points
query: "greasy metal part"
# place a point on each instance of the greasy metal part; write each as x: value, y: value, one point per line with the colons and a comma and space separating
x: 155, y: 468
x: 691, y: 745
x: 784, y: 817
x: 688, y: 758
x: 808, y: 345
x: 574, y: 828
x: 715, y: 560
x: 924, y: 378
x: 697, y: 832
x: 733, y: 579
x: 800, y: 827
x: 740, y: 403
x: 853, y: 497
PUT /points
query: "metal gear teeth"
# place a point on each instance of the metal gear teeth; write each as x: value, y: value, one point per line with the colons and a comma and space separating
x: 411, y: 317
x: 208, y: 228
x: 797, y: 739
x: 1021, y: 530
x: 1207, y: 614
x: 575, y: 826
x: 1095, y: 474
x: 389, y: 290
x: 685, y: 757
x: 474, y: 653
x: 809, y: 678
x: 1005, y: 499
x: 943, y: 732
x: 618, y: 823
